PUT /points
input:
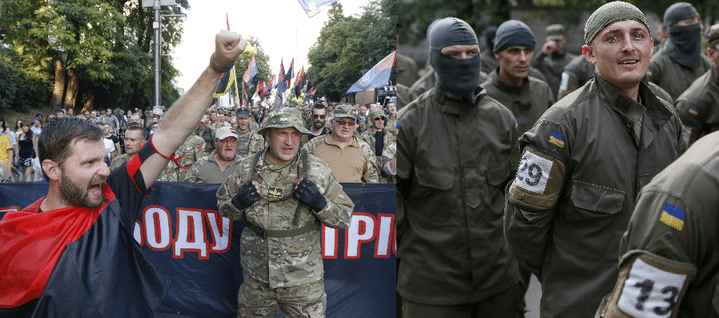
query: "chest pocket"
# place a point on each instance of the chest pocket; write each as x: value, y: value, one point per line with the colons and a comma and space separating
x: 596, y: 199
x: 591, y: 224
x: 430, y: 179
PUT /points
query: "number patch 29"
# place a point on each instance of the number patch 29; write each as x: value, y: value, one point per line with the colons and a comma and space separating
x: 533, y: 172
x: 650, y: 291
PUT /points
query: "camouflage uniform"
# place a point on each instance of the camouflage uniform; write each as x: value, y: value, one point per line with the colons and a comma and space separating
x: 249, y: 143
x: 368, y: 136
x: 219, y: 125
x: 391, y: 123
x: 208, y: 135
x: 119, y: 160
x: 206, y: 170
x: 191, y: 150
x: 291, y: 264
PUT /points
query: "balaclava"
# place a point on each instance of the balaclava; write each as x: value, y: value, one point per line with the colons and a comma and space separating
x: 684, y: 43
x: 458, y: 78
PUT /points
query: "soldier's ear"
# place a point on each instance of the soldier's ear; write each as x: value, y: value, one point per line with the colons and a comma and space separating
x: 588, y: 53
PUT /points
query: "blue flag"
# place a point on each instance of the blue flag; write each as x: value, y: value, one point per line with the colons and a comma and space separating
x: 377, y: 76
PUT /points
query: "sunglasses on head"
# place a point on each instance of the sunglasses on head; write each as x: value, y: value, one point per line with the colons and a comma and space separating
x: 319, y: 116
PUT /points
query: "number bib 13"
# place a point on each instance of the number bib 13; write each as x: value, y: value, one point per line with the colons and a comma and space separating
x: 651, y: 286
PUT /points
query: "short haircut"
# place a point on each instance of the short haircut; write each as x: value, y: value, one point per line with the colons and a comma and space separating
x: 137, y: 127
x: 319, y: 106
x: 57, y: 137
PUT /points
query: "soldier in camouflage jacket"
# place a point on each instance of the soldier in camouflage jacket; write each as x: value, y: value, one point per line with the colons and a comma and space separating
x: 283, y: 194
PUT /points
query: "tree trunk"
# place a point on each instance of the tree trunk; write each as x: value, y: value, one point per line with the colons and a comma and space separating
x: 59, y: 87
x: 73, y: 84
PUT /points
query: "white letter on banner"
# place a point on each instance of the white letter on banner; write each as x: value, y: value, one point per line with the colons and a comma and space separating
x: 157, y: 228
x: 386, y: 222
x: 361, y: 230
x: 329, y: 242
x: 190, y: 234
x: 220, y: 232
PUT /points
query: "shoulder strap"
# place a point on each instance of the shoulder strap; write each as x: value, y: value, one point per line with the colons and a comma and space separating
x: 303, y: 172
x: 255, y: 160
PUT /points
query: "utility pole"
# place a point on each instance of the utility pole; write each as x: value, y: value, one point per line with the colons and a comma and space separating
x: 158, y: 41
x: 156, y: 6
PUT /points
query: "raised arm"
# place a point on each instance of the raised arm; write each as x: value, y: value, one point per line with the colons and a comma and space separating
x: 184, y: 115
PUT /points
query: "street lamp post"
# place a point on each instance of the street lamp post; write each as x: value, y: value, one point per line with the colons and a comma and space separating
x: 158, y: 41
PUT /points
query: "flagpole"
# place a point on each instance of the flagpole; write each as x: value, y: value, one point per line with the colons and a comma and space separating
x: 237, y: 90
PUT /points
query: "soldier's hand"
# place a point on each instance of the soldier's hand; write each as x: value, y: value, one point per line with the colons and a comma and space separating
x: 247, y: 195
x: 228, y: 46
x: 307, y: 192
x: 549, y: 47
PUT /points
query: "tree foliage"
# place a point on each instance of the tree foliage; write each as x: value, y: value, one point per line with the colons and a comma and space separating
x: 347, y: 47
x: 90, y: 53
x: 18, y: 92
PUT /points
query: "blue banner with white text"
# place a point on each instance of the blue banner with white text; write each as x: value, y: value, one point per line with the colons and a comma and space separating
x: 180, y: 231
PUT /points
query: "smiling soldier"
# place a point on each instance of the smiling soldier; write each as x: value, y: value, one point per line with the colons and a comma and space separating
x: 584, y: 163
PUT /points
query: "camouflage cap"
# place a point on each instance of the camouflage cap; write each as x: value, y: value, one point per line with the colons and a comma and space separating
x: 345, y: 111
x: 377, y: 113
x: 284, y: 118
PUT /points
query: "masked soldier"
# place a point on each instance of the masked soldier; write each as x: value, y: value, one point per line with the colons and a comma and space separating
x: 453, y: 148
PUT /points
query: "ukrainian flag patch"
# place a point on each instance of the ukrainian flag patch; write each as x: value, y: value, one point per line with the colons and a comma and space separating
x: 693, y: 110
x: 397, y: 129
x: 672, y: 216
x: 557, y: 139
x: 515, y: 123
x: 649, y: 72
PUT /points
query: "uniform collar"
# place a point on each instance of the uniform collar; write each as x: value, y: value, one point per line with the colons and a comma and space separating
x: 452, y: 107
x: 520, y: 93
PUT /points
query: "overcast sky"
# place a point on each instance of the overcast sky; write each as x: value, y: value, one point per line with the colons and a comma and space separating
x: 282, y: 27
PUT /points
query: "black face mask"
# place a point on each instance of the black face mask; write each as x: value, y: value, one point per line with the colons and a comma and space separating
x: 684, y: 45
x: 458, y: 78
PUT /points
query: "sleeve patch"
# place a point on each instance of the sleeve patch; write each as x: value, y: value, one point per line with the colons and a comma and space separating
x: 653, y: 287
x: 672, y: 216
x: 539, y: 180
x: 694, y: 110
x: 557, y: 139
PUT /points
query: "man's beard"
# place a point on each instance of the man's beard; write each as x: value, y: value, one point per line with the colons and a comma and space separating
x: 73, y: 195
x: 319, y: 125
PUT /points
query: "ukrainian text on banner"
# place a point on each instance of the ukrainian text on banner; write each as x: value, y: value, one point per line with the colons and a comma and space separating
x: 180, y: 231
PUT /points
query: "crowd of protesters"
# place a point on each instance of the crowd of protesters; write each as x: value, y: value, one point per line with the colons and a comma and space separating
x: 126, y: 131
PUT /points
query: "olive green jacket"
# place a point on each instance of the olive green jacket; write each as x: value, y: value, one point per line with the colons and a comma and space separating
x: 453, y: 163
